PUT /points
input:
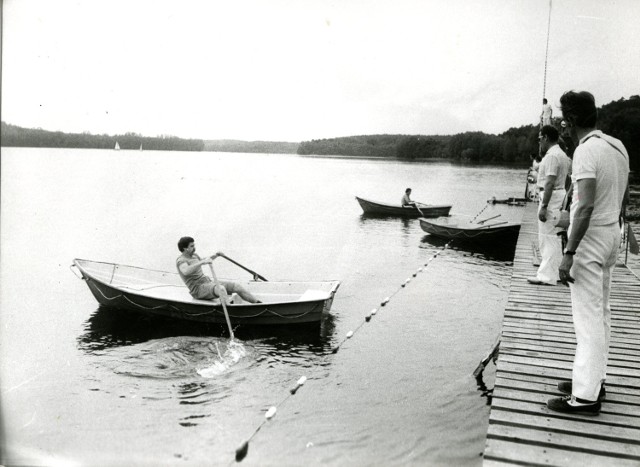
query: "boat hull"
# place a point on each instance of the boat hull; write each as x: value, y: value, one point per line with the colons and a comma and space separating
x: 472, y: 233
x: 147, y: 299
x: 381, y: 209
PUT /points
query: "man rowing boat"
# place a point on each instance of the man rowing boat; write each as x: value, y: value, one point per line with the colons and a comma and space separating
x: 406, y: 199
x: 201, y: 287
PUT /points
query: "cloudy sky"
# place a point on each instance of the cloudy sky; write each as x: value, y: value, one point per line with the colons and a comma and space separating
x: 293, y: 70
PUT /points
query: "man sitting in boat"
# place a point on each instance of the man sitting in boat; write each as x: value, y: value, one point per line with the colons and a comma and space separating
x: 406, y: 199
x: 201, y: 287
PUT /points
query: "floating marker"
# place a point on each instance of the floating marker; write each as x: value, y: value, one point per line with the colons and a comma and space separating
x: 241, y: 452
x: 335, y: 349
x: 300, y: 382
x: 415, y: 274
x: 349, y: 334
x: 408, y: 280
x: 270, y: 413
x: 419, y: 269
x: 374, y: 311
x: 385, y: 301
x: 403, y: 284
x: 367, y: 317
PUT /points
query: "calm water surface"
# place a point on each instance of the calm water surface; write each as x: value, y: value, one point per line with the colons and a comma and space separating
x: 82, y: 385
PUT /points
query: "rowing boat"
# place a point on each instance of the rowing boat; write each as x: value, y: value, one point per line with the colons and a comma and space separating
x: 163, y: 293
x: 461, y: 229
x: 422, y: 210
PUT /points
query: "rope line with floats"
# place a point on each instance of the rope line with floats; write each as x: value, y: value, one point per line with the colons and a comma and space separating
x: 243, y: 450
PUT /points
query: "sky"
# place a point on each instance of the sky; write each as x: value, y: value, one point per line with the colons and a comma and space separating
x: 296, y: 70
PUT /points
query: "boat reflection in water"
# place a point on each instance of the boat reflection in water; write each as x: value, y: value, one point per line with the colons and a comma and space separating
x: 109, y: 327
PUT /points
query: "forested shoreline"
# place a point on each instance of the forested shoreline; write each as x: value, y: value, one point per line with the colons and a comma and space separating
x: 620, y: 119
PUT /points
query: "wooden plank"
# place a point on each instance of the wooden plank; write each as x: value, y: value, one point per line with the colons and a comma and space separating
x: 608, y: 416
x: 615, y: 394
x: 522, y: 453
x: 559, y: 438
x: 542, y: 362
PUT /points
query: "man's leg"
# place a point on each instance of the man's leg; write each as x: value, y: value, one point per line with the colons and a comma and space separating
x: 550, y: 244
x: 234, y: 287
x: 587, y: 304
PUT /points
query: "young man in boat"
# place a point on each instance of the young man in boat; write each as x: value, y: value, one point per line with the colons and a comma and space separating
x: 406, y: 199
x: 201, y: 287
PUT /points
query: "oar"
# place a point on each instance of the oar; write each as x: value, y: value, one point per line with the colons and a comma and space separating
x: 222, y: 300
x: 255, y: 274
x: 492, y: 225
x: 488, y: 219
x: 415, y: 205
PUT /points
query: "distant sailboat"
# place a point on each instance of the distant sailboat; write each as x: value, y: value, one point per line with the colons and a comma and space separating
x: 141, y: 147
x: 117, y: 148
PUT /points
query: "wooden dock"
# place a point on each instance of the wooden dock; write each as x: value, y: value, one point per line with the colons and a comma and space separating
x: 536, y: 352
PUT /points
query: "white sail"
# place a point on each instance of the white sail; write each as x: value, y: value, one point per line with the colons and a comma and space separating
x: 117, y: 148
x: 141, y: 147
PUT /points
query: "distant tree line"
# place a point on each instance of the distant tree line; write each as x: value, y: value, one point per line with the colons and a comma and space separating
x: 620, y: 119
x: 267, y: 147
x: 26, y: 137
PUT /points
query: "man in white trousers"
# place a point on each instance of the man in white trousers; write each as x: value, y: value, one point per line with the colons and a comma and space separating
x: 552, y: 175
x: 600, y: 190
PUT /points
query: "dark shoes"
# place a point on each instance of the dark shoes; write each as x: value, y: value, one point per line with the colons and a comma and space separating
x: 536, y: 281
x: 561, y: 404
x: 566, y: 387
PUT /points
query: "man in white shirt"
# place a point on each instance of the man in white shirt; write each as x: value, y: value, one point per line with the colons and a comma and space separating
x: 552, y: 176
x: 600, y: 183
x: 547, y: 111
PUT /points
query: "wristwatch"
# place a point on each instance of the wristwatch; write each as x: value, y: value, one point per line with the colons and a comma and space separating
x: 569, y: 252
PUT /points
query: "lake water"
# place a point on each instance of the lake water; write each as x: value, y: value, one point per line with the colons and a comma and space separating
x: 82, y: 385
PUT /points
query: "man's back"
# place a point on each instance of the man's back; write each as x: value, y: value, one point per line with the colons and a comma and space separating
x: 604, y: 159
x: 557, y: 163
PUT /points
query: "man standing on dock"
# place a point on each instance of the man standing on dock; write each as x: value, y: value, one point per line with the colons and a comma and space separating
x: 552, y: 175
x: 600, y: 184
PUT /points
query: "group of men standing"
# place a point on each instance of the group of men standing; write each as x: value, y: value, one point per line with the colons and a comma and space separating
x: 599, y: 191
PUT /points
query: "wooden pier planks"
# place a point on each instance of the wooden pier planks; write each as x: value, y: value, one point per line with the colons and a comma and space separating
x: 536, y: 352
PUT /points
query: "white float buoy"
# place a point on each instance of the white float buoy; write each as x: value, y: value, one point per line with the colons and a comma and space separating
x: 349, y: 334
x: 374, y: 311
x: 385, y: 301
x: 270, y: 413
x: 302, y: 380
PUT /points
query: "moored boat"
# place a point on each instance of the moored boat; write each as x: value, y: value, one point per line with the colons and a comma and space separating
x: 163, y: 293
x: 420, y: 210
x: 461, y: 229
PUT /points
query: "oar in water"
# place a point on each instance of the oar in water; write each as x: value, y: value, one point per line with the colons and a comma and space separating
x: 488, y: 219
x: 222, y: 300
x: 419, y: 210
x: 256, y: 276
